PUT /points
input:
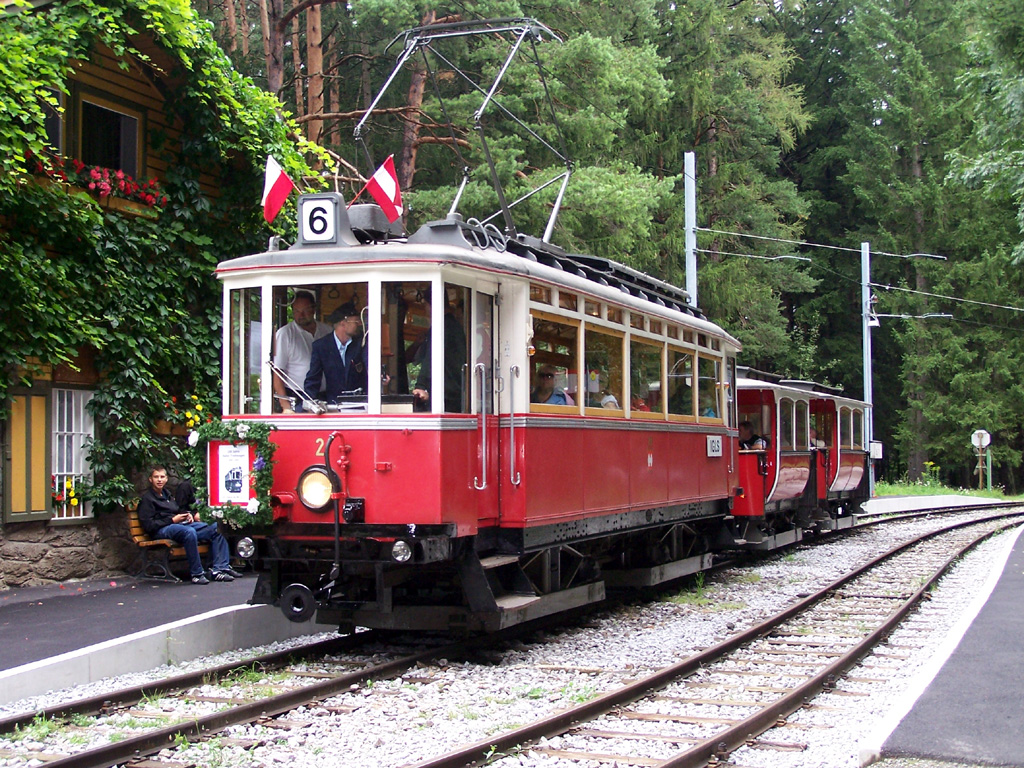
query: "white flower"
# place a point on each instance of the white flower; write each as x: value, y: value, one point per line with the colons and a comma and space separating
x: 217, y: 512
x: 253, y: 506
x: 193, y: 438
x: 242, y: 430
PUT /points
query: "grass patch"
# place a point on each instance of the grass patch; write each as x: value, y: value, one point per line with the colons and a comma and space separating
x: 690, y: 598
x: 932, y: 487
x: 38, y: 729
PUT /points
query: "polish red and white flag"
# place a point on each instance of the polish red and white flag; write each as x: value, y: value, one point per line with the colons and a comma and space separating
x: 383, y: 185
x: 276, y: 188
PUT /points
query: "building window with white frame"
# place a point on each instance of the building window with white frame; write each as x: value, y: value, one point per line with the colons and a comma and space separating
x: 72, y: 427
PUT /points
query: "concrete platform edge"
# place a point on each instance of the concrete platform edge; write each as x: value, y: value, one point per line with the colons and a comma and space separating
x: 871, y: 748
x: 224, y: 629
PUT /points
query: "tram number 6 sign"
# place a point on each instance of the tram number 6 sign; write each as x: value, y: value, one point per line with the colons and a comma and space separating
x: 317, y: 218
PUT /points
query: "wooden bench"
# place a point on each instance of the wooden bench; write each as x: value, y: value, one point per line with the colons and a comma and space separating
x: 154, y: 560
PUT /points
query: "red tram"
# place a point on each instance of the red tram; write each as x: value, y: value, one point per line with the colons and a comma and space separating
x: 586, y: 437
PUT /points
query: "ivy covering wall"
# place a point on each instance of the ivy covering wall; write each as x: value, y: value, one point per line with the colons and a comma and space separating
x: 140, y: 291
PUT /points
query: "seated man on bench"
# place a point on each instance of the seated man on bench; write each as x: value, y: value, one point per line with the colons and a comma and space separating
x: 162, y: 518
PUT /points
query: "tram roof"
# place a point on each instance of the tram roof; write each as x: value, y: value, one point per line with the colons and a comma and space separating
x: 749, y: 378
x: 449, y: 242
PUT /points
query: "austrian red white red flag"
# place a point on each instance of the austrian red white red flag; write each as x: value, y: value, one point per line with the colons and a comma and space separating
x: 383, y: 185
x: 276, y: 188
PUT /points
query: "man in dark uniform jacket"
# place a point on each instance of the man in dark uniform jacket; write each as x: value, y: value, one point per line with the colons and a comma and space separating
x: 338, y: 357
x: 162, y: 518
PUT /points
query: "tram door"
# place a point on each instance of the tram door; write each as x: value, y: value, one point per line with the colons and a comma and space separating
x: 487, y: 474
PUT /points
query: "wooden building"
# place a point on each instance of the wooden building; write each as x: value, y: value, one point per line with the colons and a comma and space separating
x: 116, y: 123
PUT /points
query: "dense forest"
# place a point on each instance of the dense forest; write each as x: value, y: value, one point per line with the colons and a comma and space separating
x: 830, y: 123
x: 817, y: 127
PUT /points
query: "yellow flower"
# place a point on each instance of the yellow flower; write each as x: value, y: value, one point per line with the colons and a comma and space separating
x: 73, y: 502
x: 199, y: 407
x: 195, y: 397
x: 68, y: 484
x: 71, y: 493
x: 188, y: 414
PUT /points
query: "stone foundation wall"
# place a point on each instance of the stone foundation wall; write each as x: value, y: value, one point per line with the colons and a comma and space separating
x: 33, y: 554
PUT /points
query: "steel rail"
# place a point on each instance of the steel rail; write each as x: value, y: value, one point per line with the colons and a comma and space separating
x: 200, y: 727
x: 136, y: 693
x: 481, y: 751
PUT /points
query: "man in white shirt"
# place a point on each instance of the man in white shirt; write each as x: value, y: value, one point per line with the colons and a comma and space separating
x: 293, y: 345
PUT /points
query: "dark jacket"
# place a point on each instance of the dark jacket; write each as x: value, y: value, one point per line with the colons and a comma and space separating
x: 156, y: 511
x: 325, y: 361
x: 454, y: 360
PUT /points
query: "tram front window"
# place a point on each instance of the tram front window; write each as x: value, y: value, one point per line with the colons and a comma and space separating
x: 319, y: 355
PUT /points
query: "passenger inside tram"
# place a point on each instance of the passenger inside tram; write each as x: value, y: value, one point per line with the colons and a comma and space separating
x: 455, y: 356
x: 548, y: 389
x: 338, y: 360
x: 750, y: 440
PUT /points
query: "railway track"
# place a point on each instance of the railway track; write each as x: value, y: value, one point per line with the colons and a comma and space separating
x: 760, y: 675
x: 217, y: 712
x: 274, y: 684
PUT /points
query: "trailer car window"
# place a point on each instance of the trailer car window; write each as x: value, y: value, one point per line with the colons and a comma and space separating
x: 786, y: 424
x: 801, y: 425
x: 845, y: 428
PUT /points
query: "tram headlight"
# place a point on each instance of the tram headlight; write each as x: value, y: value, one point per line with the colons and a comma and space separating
x: 401, y: 552
x: 245, y: 548
x: 315, y: 488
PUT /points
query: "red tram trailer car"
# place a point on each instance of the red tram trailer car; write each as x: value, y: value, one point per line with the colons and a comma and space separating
x: 810, y: 472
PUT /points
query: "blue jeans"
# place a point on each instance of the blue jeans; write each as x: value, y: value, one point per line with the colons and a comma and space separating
x: 189, y: 535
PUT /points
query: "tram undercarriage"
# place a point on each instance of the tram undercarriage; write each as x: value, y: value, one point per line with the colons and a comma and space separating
x: 475, y: 591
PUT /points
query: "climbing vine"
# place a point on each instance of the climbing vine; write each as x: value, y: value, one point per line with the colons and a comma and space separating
x: 140, y: 292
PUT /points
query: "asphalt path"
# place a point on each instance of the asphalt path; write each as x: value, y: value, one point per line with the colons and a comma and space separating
x: 40, y: 622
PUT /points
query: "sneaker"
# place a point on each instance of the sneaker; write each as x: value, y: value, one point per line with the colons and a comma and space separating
x: 233, y: 573
x: 222, y: 576
x: 200, y: 579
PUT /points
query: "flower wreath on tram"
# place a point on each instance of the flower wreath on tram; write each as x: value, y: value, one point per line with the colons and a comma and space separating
x: 257, y: 512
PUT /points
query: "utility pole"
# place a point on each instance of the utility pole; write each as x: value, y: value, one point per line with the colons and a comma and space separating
x: 866, y: 323
x: 690, y: 223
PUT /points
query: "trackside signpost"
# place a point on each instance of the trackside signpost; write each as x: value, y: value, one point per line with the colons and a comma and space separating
x: 981, y: 439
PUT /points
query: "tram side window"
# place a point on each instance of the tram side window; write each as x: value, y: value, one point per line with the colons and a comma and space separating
x: 801, y: 425
x: 554, y: 371
x: 821, y: 429
x: 406, y: 340
x: 680, y: 382
x: 645, y: 377
x: 858, y: 429
x: 754, y: 415
x: 603, y: 357
x: 709, y: 387
x: 245, y: 352
x: 845, y: 427
x: 786, y: 424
